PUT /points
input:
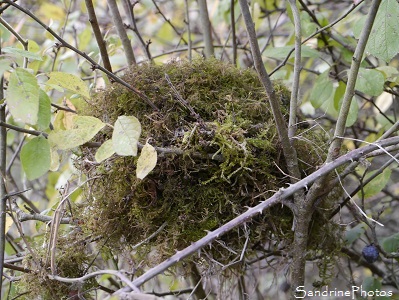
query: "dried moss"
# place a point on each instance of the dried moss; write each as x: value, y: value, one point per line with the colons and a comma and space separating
x: 231, y: 150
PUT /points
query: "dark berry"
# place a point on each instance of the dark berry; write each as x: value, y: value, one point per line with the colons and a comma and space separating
x: 370, y: 253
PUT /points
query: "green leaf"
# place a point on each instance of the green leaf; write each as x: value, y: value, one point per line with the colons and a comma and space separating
x: 126, y: 133
x: 377, y: 184
x: 44, y: 115
x: 353, y: 112
x: 371, y: 284
x: 23, y: 96
x: 147, y: 161
x: 5, y: 65
x: 35, y: 157
x: 23, y: 53
x: 383, y: 41
x: 354, y: 233
x: 84, y: 128
x: 282, y: 52
x: 69, y: 82
x: 105, y: 151
x: 339, y: 94
x: 322, y: 91
x: 391, y: 243
x: 390, y: 73
x: 370, y: 82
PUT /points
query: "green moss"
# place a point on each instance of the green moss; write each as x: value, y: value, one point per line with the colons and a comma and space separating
x: 230, y: 146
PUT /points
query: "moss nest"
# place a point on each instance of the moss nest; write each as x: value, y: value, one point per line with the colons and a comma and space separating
x: 219, y: 118
x: 72, y: 260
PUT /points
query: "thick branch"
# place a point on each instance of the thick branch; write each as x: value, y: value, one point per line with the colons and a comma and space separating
x: 206, y: 28
x: 97, y: 33
x: 288, y: 150
x: 117, y: 19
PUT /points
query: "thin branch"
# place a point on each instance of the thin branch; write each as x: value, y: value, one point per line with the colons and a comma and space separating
x: 190, y: 50
x: 288, y: 150
x: 233, y: 32
x: 118, y: 274
x: 97, y: 34
x: 84, y: 55
x: 297, y: 71
x: 3, y: 190
x: 117, y: 19
x: 169, y: 22
x: 353, y: 7
x: 23, y: 216
x: 335, y: 146
x: 20, y: 129
x: 129, y: 9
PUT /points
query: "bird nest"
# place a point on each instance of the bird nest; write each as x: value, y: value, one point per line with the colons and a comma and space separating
x: 218, y: 154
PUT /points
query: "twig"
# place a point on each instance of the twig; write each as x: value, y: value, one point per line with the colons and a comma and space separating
x: 169, y: 22
x: 297, y: 71
x: 97, y: 34
x: 233, y: 32
x: 84, y: 55
x: 19, y: 38
x: 20, y: 129
x: 190, y: 50
x: 183, y: 101
x: 22, y: 216
x: 151, y: 236
x: 3, y: 190
x: 353, y: 7
x: 129, y: 8
x: 94, y: 274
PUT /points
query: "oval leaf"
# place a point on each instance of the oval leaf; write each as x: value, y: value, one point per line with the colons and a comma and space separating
x: 69, y: 82
x: 383, y: 41
x: 23, y: 96
x: 23, y: 53
x: 105, y: 151
x: 83, y: 130
x: 125, y: 136
x: 377, y: 184
x: 391, y: 243
x: 323, y: 90
x: 36, y: 157
x: 370, y: 82
x: 147, y: 161
x: 44, y: 114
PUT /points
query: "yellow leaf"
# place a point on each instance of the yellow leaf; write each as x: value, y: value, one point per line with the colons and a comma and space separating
x: 147, y: 161
x: 9, y: 223
x: 68, y: 116
x: 51, y: 11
